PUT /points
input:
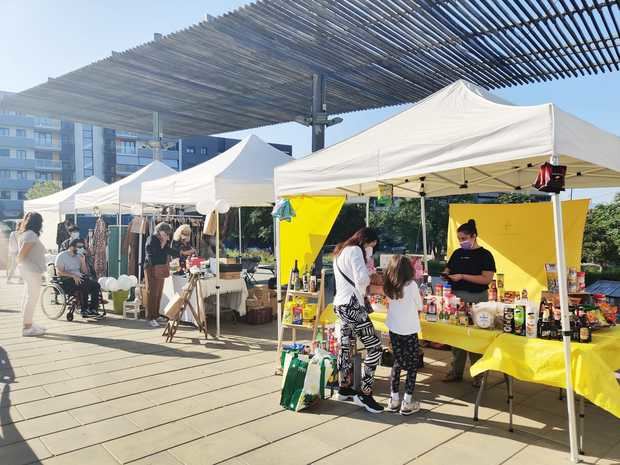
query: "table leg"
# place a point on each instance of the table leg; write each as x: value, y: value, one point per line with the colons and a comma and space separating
x: 582, y: 423
x: 561, y: 396
x: 510, y: 401
x: 479, y: 395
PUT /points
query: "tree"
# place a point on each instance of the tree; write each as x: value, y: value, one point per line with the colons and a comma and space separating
x: 42, y: 189
x: 601, y: 242
x: 519, y: 197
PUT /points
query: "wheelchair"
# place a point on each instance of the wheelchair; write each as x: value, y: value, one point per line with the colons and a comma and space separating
x: 55, y: 300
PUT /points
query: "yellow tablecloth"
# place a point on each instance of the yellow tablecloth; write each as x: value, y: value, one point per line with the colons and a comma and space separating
x: 464, y: 337
x: 542, y: 361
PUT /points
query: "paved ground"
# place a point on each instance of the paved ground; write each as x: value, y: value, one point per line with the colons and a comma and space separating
x: 113, y: 392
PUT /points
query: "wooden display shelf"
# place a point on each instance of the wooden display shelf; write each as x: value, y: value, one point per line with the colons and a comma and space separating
x: 314, y: 295
x: 301, y: 326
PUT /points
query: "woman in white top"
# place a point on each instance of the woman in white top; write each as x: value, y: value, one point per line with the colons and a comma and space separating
x: 31, y: 263
x: 352, y: 279
x: 404, y: 325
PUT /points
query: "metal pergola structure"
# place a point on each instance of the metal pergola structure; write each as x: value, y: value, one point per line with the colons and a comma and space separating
x: 263, y: 63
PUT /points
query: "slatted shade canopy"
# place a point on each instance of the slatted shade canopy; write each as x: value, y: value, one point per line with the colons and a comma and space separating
x: 254, y: 66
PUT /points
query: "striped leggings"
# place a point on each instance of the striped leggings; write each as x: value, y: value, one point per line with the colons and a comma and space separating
x: 356, y: 324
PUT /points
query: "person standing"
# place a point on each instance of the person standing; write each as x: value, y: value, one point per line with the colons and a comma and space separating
x: 156, y: 270
x: 352, y: 280
x: 470, y: 270
x: 31, y: 264
x: 404, y: 325
x: 12, y: 258
x: 182, y: 243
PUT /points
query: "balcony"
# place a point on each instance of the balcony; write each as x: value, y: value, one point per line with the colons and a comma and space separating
x: 43, y: 164
x: 128, y: 135
x: 46, y: 123
x: 17, y: 120
x: 12, y: 208
x: 16, y: 184
x: 41, y: 145
x: 17, y: 142
x: 7, y: 163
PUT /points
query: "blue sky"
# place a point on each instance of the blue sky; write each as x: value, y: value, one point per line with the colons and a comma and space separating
x: 43, y: 38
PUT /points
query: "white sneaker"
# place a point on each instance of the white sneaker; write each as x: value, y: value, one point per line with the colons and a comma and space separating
x: 162, y: 319
x: 34, y: 330
x: 393, y: 405
x: 408, y: 408
x: 152, y: 323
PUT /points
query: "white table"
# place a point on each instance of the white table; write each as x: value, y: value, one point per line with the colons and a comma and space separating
x: 233, y: 294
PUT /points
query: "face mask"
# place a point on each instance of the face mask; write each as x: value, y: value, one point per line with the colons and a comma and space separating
x: 81, y: 251
x: 75, y: 235
x: 369, y: 252
x: 467, y: 244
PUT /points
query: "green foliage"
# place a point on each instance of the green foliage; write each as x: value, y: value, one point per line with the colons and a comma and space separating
x: 42, y: 189
x: 266, y: 257
x: 602, y: 234
x: 518, y: 197
x: 256, y: 227
x: 351, y: 218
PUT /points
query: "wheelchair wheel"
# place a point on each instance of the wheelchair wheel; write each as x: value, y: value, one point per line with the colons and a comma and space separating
x: 70, y: 316
x: 53, y: 301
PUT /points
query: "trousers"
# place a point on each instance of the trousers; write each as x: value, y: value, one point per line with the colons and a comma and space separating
x: 355, y: 323
x: 32, y: 290
x: 154, y: 290
x: 406, y: 350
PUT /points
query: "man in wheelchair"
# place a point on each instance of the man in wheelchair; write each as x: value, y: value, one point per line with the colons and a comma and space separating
x: 73, y: 270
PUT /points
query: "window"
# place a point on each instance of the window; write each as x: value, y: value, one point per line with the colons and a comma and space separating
x: 5, y: 153
x: 190, y: 149
x: 22, y: 174
x: 20, y: 154
x: 43, y: 176
x: 20, y: 133
x: 43, y: 155
x: 43, y: 138
x: 88, y: 172
x: 21, y: 195
x: 5, y: 174
x: 126, y: 146
x: 203, y: 150
x: 5, y: 195
x: 4, y: 131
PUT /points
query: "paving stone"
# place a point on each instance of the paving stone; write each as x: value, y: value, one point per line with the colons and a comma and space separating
x: 96, y: 455
x: 24, y: 452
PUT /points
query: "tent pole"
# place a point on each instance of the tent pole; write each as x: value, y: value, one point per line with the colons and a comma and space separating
x: 276, y: 233
x: 217, y: 273
x: 423, y: 221
x: 367, y: 211
x: 563, y: 285
x: 240, y: 243
x: 120, y: 218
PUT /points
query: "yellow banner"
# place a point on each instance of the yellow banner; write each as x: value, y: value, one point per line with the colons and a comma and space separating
x: 521, y: 238
x: 303, y: 237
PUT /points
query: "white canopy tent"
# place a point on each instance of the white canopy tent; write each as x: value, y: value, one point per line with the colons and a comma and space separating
x: 123, y: 195
x: 54, y: 207
x: 242, y: 176
x: 464, y: 140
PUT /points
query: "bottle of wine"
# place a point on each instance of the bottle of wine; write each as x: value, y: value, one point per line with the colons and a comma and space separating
x: 585, y: 330
x: 294, y: 283
x: 314, y: 287
x: 306, y: 280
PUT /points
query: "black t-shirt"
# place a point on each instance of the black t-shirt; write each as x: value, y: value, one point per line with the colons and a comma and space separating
x: 470, y: 261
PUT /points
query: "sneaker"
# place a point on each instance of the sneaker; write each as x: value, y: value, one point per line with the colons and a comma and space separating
x: 346, y: 394
x: 452, y: 378
x: 368, y: 402
x: 393, y: 405
x: 93, y: 313
x: 152, y: 323
x: 407, y: 408
x: 162, y: 319
x: 84, y: 314
x: 34, y: 330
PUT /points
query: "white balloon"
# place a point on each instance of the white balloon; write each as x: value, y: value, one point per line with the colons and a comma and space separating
x: 205, y: 207
x: 134, y: 280
x: 124, y: 283
x: 222, y: 206
x: 113, y: 285
x: 102, y: 282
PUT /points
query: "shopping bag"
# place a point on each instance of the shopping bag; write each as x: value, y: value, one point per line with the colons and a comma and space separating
x: 294, y: 382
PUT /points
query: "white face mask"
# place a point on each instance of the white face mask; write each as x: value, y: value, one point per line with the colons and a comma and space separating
x: 75, y: 235
x: 369, y: 252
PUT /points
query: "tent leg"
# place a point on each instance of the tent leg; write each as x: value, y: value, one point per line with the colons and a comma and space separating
x: 240, y: 240
x: 217, y: 274
x: 562, y: 281
x: 367, y: 211
x: 119, y: 261
x: 276, y: 233
x: 423, y: 221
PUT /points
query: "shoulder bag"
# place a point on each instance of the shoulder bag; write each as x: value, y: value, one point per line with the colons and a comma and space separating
x: 366, y: 303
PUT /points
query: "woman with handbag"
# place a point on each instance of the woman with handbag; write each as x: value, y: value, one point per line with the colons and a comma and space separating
x: 352, y: 308
x: 156, y: 270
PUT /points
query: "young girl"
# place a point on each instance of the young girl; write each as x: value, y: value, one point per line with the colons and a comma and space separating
x: 403, y: 322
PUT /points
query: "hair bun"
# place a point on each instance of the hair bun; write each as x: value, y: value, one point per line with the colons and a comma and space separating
x: 472, y: 222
